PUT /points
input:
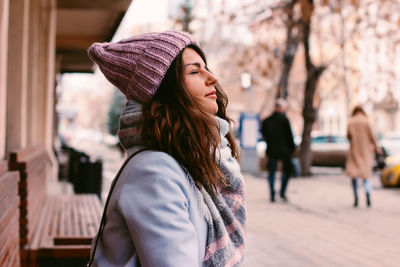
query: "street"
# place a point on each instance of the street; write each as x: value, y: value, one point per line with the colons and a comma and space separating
x: 319, y: 226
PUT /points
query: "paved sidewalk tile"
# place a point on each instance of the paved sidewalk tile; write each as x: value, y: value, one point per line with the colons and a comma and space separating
x: 319, y: 226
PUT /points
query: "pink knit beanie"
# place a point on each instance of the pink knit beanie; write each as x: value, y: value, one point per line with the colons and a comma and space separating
x: 137, y: 65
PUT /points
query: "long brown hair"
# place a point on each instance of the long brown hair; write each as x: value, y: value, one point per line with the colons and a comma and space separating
x: 358, y: 109
x: 176, y: 123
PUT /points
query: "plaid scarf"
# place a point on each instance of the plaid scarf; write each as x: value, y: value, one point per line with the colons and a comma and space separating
x: 225, y: 213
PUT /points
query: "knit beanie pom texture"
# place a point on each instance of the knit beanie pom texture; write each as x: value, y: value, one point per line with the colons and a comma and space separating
x: 137, y: 65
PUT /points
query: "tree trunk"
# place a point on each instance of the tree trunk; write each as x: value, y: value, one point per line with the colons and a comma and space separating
x: 309, y: 116
x: 292, y: 41
x: 313, y: 75
x: 343, y: 58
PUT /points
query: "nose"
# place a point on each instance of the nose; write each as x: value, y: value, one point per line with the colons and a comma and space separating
x: 211, y: 79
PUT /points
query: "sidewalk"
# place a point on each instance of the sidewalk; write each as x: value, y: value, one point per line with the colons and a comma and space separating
x: 319, y: 226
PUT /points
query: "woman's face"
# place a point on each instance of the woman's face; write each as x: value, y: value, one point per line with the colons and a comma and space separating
x: 198, y: 80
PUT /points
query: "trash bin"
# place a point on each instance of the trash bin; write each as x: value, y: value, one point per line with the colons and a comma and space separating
x: 89, y: 178
x: 76, y: 158
x: 85, y: 175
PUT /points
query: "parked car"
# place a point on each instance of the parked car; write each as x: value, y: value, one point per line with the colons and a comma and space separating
x: 329, y: 150
x: 391, y: 143
x: 390, y: 175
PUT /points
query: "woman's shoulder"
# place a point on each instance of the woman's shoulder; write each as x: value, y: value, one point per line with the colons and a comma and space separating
x: 153, y: 158
x: 153, y: 166
x: 154, y: 174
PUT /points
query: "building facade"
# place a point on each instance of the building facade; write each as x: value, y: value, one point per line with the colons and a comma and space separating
x: 39, y: 39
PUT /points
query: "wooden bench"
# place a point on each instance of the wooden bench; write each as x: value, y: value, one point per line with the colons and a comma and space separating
x: 9, y: 215
x: 55, y: 230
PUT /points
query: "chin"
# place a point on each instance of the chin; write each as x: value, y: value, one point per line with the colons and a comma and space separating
x: 214, y: 110
x: 211, y: 107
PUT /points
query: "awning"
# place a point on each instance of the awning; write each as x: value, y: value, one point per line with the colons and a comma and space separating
x: 81, y: 23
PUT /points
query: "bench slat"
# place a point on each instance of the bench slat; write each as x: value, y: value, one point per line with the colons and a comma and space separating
x: 72, y: 240
x: 32, y: 199
x: 29, y: 222
x: 43, y: 227
x: 21, y: 153
x: 83, y: 216
x: 75, y: 219
x: 12, y: 253
x: 91, y: 214
x: 97, y: 210
x: 67, y: 225
x: 7, y: 181
x: 86, y: 216
x: 55, y: 215
x: 66, y: 251
x: 9, y: 241
x: 28, y: 167
x: 16, y: 259
x: 8, y: 215
x: 26, y: 156
x: 9, y: 197
x: 3, y: 167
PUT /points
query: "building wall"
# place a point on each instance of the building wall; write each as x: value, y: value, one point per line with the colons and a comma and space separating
x: 4, y: 11
x: 17, y: 90
x: 27, y: 57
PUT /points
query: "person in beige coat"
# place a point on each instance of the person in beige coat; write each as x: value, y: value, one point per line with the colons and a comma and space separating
x: 360, y: 156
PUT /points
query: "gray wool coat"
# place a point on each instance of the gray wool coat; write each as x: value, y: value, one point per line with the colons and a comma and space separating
x: 154, y: 215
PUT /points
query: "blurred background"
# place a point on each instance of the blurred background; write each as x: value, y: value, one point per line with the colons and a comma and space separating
x: 323, y: 56
x: 336, y: 53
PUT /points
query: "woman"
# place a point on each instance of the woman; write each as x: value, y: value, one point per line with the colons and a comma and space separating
x: 360, y: 156
x: 179, y: 202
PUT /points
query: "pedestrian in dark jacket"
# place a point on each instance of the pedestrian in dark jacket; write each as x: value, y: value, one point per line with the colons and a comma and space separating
x: 277, y: 133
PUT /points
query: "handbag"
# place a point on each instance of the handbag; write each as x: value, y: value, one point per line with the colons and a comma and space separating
x: 103, y: 217
x: 380, y: 161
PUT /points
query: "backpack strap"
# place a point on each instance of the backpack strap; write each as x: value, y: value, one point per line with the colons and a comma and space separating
x: 103, y: 217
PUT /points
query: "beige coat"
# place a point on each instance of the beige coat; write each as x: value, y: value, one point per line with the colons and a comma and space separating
x: 362, y: 144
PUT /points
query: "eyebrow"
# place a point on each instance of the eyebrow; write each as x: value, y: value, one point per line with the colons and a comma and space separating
x: 195, y: 64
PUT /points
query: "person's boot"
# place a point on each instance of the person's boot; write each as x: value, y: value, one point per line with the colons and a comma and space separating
x: 355, y: 201
x: 368, y: 201
x: 272, y: 197
x: 354, y: 185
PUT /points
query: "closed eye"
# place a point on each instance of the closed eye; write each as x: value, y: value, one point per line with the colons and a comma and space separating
x: 197, y: 67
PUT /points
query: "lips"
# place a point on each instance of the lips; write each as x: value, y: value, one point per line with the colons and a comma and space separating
x: 212, y: 94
